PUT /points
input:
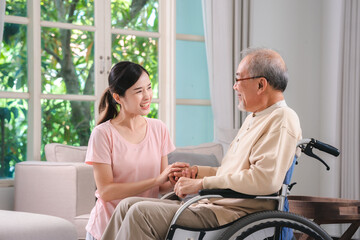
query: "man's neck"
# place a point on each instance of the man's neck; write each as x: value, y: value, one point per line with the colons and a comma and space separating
x: 270, y: 100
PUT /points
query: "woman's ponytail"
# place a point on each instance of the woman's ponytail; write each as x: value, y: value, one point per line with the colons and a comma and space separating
x: 107, y: 107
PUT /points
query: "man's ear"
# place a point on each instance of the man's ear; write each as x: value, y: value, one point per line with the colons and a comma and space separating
x: 116, y: 98
x: 262, y: 85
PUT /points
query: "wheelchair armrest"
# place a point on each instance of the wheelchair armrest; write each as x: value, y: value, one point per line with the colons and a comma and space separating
x: 219, y: 193
x: 170, y: 196
x: 228, y: 193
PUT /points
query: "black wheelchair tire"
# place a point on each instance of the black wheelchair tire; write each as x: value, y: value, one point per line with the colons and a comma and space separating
x: 255, y: 222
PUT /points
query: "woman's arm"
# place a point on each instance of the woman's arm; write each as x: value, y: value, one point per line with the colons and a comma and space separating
x: 167, y: 186
x: 108, y: 190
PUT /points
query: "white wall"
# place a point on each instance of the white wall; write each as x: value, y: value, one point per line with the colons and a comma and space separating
x: 306, y: 33
x: 330, y: 95
x: 330, y: 99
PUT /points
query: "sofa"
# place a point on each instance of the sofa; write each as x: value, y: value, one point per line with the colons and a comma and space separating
x: 64, y: 186
x: 17, y: 225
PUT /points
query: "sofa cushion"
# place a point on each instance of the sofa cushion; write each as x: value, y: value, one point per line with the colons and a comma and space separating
x: 31, y: 226
x: 206, y: 148
x: 80, y: 223
x: 56, y: 152
x: 59, y: 189
x: 193, y: 159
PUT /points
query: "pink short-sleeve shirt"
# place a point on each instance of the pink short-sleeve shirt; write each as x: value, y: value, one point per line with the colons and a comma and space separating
x: 130, y: 163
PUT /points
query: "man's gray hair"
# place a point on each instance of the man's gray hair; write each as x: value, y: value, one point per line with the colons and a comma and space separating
x: 264, y: 63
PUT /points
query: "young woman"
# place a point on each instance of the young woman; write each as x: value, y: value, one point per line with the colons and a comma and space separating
x: 128, y: 151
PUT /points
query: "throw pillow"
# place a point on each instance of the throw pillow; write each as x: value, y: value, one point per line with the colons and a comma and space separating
x: 193, y: 159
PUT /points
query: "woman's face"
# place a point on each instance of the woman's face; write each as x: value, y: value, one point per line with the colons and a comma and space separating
x: 138, y: 97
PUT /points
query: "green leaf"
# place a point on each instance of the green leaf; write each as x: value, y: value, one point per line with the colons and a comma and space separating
x: 5, y: 114
x: 15, y: 111
x: 11, y: 82
x: 24, y: 111
x: 19, y: 84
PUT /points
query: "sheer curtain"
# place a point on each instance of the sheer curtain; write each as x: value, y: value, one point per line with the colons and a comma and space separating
x: 350, y: 105
x: 2, y: 19
x: 350, y: 122
x: 226, y: 33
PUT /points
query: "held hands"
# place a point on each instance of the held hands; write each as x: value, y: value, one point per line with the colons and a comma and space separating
x: 169, y: 171
x: 189, y: 172
x: 184, y: 180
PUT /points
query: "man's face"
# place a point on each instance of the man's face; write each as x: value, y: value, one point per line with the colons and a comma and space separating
x: 246, y: 89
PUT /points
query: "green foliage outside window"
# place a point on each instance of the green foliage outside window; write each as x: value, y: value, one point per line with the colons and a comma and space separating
x: 16, y: 8
x: 13, y: 135
x: 141, y: 15
x: 13, y: 59
x: 13, y: 112
x: 67, y: 67
x: 68, y: 11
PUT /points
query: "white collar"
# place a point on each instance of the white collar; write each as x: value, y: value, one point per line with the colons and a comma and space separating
x: 278, y: 104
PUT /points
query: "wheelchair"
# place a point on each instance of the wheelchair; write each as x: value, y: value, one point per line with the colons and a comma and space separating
x: 272, y: 224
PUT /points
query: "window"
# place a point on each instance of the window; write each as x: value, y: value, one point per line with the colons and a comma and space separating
x: 194, y: 119
x: 56, y: 56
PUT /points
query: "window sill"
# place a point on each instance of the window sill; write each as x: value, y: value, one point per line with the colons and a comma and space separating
x: 7, y: 182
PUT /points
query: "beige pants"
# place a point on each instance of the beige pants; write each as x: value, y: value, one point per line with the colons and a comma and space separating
x: 149, y: 218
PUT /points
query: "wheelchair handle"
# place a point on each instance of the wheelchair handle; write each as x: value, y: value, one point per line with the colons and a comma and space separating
x: 311, y: 142
x: 325, y: 147
x: 306, y: 145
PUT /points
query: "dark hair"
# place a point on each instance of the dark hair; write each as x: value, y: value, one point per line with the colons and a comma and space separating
x: 263, y: 63
x: 122, y: 76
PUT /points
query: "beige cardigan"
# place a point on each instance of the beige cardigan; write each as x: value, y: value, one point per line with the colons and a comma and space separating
x: 256, y: 162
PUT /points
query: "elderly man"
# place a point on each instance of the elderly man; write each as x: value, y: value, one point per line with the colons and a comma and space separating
x: 256, y: 162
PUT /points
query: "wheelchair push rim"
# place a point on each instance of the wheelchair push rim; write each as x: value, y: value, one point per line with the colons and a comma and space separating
x: 270, y: 225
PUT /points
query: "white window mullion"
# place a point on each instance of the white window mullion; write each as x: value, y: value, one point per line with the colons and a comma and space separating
x: 16, y: 19
x: 100, y: 45
x: 167, y: 41
x: 135, y: 33
x: 194, y: 102
x: 69, y: 97
x: 34, y: 81
x: 108, y: 43
x: 188, y: 37
x: 66, y: 25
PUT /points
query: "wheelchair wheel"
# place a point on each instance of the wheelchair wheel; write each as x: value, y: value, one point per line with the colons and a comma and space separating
x: 274, y: 225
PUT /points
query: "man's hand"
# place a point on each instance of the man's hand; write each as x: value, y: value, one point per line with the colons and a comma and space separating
x: 185, y: 186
